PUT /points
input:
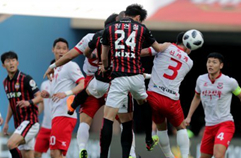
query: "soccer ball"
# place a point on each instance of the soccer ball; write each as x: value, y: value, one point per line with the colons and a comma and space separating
x: 193, y: 39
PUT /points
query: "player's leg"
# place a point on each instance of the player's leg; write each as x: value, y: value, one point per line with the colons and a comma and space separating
x: 138, y: 91
x: 87, y: 112
x: 126, y: 134
x: 223, y: 138
x: 14, y: 141
x: 207, y: 143
x: 118, y: 92
x: 42, y: 142
x: 61, y: 132
x: 176, y: 118
x: 97, y: 88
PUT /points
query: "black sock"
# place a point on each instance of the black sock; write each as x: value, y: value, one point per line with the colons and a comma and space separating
x: 126, y: 139
x: 15, y: 153
x: 105, y: 137
x: 79, y: 99
x: 147, y: 113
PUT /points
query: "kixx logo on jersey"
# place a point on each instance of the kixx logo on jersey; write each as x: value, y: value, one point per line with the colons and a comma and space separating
x: 220, y: 85
x: 17, y: 85
x: 125, y: 54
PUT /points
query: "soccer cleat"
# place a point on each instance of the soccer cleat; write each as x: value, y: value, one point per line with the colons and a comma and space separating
x: 83, y: 154
x: 150, y: 144
x: 155, y: 138
x: 69, y: 102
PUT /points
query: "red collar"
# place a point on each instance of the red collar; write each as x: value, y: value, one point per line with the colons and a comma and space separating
x: 215, y: 78
x: 178, y: 46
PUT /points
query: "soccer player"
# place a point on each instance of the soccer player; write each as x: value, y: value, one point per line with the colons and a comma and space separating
x: 62, y: 89
x: 124, y: 40
x: 215, y: 91
x: 43, y: 137
x: 23, y: 95
x: 1, y: 119
x: 170, y: 67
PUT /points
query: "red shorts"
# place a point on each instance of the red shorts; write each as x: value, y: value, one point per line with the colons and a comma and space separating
x: 42, y: 140
x: 91, y: 106
x: 164, y: 107
x: 218, y: 134
x: 60, y: 137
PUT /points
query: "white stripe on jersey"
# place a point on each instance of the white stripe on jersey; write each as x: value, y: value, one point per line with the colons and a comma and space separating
x: 169, y: 69
x: 216, y: 98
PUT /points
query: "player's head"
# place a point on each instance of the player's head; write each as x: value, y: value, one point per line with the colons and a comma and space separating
x: 179, y: 42
x: 121, y: 15
x: 10, y: 61
x: 214, y: 62
x: 60, y: 47
x: 112, y: 18
x: 136, y: 12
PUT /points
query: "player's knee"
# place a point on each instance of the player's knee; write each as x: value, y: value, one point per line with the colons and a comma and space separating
x: 11, y: 144
x: 37, y: 154
x: 217, y: 154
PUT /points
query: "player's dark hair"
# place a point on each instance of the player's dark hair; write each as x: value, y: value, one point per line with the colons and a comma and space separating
x: 136, y: 9
x: 121, y: 15
x: 217, y: 56
x: 8, y: 55
x: 52, y: 61
x: 179, y: 38
x: 60, y: 40
x: 111, y: 19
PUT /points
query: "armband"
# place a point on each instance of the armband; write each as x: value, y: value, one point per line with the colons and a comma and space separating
x: 52, y: 66
x: 68, y: 93
x: 31, y: 102
x: 237, y: 91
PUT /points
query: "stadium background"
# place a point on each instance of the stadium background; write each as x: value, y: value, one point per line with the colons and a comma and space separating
x: 31, y: 37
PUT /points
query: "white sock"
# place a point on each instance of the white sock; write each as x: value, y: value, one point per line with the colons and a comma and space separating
x: 165, y: 144
x: 83, y: 135
x: 133, y: 145
x: 183, y: 142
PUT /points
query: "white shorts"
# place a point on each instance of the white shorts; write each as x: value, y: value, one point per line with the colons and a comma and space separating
x: 29, y: 132
x: 128, y: 105
x: 97, y: 88
x: 120, y: 87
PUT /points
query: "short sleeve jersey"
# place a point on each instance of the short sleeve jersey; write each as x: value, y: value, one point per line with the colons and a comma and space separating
x: 216, y: 97
x: 47, y: 106
x: 90, y: 65
x: 21, y: 87
x: 125, y: 39
x: 168, y: 71
x: 65, y: 78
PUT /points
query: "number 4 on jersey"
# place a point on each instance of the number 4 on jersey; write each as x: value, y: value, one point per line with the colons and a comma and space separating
x: 221, y: 136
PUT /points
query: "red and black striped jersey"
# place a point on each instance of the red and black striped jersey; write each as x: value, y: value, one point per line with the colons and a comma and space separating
x: 126, y: 38
x: 21, y: 87
x: 95, y: 43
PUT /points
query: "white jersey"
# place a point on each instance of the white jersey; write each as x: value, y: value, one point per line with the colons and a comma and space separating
x: 90, y: 65
x: 47, y: 117
x: 169, y: 69
x: 216, y: 97
x: 65, y: 78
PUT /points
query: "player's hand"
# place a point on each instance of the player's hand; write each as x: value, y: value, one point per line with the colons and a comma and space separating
x: 45, y: 94
x: 56, y: 97
x: 1, y: 121
x: 49, y: 73
x: 102, y: 68
x: 5, y: 129
x: 23, y: 103
x: 187, y: 121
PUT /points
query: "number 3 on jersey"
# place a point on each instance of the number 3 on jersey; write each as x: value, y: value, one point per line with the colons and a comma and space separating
x: 174, y: 69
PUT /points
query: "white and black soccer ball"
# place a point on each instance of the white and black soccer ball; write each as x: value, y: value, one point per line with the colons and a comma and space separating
x: 193, y: 39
